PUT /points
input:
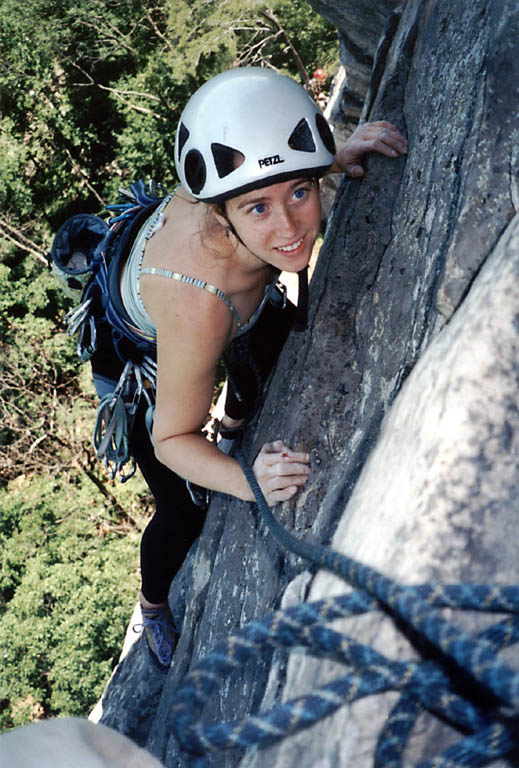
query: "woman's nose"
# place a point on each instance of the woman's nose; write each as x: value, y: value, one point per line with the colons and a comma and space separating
x: 286, y: 224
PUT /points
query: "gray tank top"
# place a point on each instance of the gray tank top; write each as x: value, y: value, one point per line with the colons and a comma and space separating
x: 133, y: 269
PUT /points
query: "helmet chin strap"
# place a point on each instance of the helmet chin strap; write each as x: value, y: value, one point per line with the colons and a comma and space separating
x: 301, y: 318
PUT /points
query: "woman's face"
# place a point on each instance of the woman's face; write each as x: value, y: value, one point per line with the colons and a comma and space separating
x: 280, y: 223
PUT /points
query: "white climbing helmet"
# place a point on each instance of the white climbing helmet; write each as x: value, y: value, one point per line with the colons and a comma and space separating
x: 248, y: 128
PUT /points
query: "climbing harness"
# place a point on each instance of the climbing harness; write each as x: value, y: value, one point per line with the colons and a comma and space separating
x: 485, y: 711
x: 115, y: 413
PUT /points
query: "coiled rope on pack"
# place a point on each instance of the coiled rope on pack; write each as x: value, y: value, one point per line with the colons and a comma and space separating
x: 115, y: 415
x: 489, y: 725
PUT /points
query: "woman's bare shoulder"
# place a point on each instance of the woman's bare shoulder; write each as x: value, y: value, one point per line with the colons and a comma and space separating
x: 184, y: 255
x: 179, y: 226
x: 186, y: 309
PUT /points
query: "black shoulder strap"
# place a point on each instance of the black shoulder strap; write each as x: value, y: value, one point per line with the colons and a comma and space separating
x: 115, y: 311
x: 301, y: 320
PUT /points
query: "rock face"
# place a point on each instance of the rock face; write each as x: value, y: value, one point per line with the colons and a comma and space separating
x: 404, y: 389
x: 360, y: 26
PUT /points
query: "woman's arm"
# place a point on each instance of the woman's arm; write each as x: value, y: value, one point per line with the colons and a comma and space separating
x: 192, y: 329
x: 381, y: 137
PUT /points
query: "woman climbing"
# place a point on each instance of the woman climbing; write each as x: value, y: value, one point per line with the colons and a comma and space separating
x: 201, y: 277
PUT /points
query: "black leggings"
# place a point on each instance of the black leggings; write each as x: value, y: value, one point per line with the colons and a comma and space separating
x: 176, y: 524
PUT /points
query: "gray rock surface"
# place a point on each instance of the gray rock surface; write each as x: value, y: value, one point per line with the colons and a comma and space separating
x: 437, y: 502
x: 360, y: 26
x: 413, y: 314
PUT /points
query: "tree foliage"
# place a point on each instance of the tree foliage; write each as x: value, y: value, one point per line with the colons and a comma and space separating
x: 91, y: 91
x: 90, y: 94
x: 63, y: 601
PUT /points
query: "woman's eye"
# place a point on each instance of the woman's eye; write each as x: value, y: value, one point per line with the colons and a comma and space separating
x: 300, y: 193
x: 259, y: 208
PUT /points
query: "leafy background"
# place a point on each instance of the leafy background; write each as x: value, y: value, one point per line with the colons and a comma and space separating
x: 90, y: 94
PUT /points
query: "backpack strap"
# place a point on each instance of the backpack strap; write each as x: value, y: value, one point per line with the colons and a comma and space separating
x: 90, y: 251
x: 301, y: 321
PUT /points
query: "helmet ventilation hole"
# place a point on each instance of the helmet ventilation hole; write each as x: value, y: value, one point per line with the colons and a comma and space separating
x: 183, y: 136
x: 325, y: 133
x: 301, y: 137
x: 226, y: 159
x: 195, y: 171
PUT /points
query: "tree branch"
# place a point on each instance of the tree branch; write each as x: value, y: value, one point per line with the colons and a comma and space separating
x: 134, y: 107
x: 109, y: 496
x: 269, y: 15
x: 78, y: 170
x: 21, y: 241
x: 157, y: 31
x: 118, y: 93
x: 117, y: 37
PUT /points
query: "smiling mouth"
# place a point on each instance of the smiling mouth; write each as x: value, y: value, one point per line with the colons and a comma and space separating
x: 290, y: 248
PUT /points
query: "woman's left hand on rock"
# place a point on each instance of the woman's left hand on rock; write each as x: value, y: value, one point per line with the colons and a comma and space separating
x: 381, y: 137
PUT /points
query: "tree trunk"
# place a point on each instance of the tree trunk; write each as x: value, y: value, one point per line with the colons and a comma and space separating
x: 403, y: 389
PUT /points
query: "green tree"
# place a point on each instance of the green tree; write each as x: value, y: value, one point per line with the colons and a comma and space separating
x: 63, y: 602
x: 91, y: 92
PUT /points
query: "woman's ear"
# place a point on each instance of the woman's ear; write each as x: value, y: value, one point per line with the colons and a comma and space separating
x: 219, y: 215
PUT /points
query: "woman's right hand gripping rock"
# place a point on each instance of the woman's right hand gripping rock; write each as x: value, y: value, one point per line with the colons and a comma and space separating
x: 280, y: 471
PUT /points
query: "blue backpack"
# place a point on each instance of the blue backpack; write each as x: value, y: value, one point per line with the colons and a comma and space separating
x: 86, y: 255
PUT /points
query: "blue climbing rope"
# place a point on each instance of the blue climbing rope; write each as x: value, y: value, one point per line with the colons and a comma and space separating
x: 488, y: 719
